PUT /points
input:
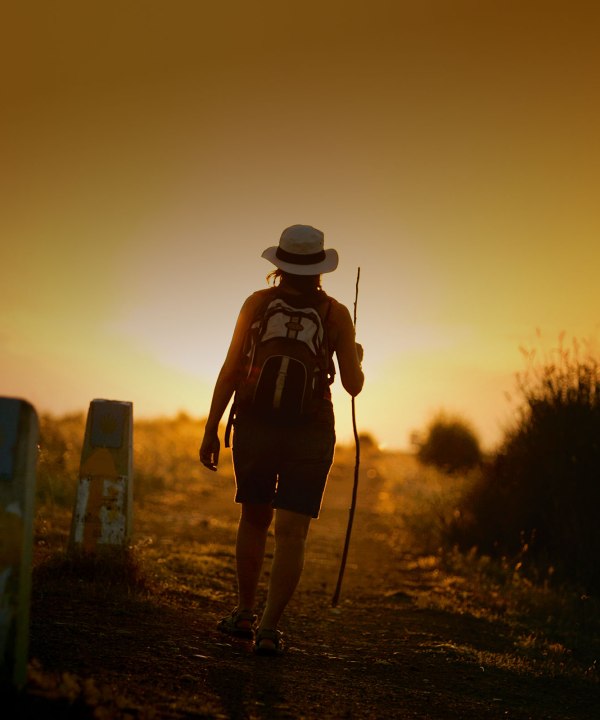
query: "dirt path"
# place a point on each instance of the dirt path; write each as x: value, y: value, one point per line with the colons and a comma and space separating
x: 103, y: 650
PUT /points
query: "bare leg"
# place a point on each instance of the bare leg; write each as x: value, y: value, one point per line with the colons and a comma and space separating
x: 250, y: 550
x: 291, y: 530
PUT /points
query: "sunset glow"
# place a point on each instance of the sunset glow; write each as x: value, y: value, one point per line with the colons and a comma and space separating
x: 151, y: 151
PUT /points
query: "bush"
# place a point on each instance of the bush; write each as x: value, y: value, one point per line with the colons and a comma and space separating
x: 368, y: 443
x: 538, y: 499
x: 450, y: 445
x: 60, y: 444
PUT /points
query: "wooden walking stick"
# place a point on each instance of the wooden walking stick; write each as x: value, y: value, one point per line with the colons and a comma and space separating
x: 336, y: 595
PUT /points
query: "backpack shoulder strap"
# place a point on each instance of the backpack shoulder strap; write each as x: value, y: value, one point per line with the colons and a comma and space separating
x: 229, y: 425
x: 330, y: 363
x: 267, y: 296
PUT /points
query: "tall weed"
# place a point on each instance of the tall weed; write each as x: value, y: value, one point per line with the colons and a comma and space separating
x: 538, y: 497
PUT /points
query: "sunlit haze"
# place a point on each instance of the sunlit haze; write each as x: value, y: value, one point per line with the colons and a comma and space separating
x: 152, y: 150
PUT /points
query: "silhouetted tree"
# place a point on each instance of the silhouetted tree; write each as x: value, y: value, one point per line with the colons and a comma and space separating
x: 450, y: 444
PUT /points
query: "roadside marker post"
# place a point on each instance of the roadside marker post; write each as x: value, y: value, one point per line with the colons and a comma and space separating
x: 102, y: 517
x: 19, y: 432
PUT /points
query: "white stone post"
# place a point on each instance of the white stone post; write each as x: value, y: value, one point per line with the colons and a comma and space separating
x: 19, y: 432
x: 102, y: 517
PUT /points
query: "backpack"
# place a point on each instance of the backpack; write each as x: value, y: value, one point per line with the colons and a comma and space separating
x: 286, y: 366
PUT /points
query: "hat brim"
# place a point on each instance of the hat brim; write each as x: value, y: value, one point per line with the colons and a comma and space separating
x: 328, y: 265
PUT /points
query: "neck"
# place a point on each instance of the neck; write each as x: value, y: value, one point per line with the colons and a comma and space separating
x: 299, y: 284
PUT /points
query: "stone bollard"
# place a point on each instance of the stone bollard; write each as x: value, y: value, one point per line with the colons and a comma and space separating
x: 102, y: 517
x: 19, y: 432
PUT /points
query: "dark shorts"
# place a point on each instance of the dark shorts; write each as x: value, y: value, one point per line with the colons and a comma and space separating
x: 285, y: 466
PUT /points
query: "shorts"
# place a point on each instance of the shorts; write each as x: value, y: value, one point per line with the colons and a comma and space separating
x: 282, y: 465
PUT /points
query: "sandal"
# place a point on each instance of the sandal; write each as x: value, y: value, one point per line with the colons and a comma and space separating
x: 269, y: 642
x: 239, y: 624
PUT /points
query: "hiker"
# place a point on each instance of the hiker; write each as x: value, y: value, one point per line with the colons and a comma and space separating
x: 283, y: 445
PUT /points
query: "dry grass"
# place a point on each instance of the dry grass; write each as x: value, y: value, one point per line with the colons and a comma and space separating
x: 553, y: 631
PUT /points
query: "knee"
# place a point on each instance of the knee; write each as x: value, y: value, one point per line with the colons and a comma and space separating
x: 259, y: 516
x: 290, y: 526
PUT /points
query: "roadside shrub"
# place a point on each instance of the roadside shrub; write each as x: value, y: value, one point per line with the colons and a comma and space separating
x: 367, y: 441
x: 450, y: 445
x: 58, y: 459
x: 538, y: 498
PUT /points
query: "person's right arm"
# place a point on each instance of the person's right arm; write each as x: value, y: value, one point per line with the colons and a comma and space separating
x: 348, y: 352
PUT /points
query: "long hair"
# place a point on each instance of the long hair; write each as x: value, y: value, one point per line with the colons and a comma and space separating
x: 305, y: 284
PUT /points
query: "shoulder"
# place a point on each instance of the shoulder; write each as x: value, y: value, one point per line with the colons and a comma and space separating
x: 260, y: 295
x: 253, y: 302
x: 338, y: 313
x: 339, y: 322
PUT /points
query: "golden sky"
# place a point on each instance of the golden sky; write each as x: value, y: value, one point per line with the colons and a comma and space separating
x: 151, y: 150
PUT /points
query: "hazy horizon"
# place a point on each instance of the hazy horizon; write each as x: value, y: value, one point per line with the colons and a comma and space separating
x: 151, y: 152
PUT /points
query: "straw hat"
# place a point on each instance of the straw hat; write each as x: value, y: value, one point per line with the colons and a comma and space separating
x: 301, y: 252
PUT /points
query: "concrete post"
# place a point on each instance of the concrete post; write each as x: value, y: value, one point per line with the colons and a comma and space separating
x: 102, y: 517
x: 19, y: 432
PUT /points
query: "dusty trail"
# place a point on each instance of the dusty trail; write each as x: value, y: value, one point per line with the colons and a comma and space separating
x: 104, y: 651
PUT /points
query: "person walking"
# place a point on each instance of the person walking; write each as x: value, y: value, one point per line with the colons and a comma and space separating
x: 281, y: 464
